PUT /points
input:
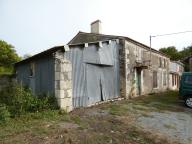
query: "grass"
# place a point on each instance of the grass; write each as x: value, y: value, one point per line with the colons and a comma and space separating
x: 160, y: 101
x: 116, y: 126
x: 168, y: 126
x: 33, y: 123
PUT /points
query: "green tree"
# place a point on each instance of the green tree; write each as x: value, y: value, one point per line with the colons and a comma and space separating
x: 8, y: 57
x: 187, y: 51
x: 172, y: 52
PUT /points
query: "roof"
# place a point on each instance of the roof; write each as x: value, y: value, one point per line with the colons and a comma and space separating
x: 52, y: 50
x: 83, y: 37
x: 44, y: 53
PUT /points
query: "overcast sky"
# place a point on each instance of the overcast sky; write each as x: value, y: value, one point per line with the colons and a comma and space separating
x: 36, y: 25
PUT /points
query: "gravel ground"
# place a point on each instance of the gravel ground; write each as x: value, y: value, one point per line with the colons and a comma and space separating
x: 176, y: 125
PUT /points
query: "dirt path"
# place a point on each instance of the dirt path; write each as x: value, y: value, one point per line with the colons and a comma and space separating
x: 176, y: 125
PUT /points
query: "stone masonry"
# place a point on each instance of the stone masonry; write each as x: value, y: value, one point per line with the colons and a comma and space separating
x: 63, y: 82
x: 137, y: 54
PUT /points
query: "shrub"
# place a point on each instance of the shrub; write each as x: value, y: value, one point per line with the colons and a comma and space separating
x: 4, y: 113
x: 20, y: 100
x: 46, y: 102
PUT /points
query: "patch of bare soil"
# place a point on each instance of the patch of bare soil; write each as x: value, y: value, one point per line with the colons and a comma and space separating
x: 176, y: 125
x: 96, y: 125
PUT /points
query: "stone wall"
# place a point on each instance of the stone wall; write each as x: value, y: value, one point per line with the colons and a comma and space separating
x: 130, y: 58
x: 122, y: 70
x: 63, y: 81
x: 5, y: 80
x: 134, y: 55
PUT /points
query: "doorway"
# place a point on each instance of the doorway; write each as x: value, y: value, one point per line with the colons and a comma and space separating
x: 138, y: 81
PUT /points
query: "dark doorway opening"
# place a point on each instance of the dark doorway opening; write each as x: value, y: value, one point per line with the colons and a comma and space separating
x: 138, y: 81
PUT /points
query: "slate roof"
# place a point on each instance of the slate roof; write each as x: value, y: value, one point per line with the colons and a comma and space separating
x: 83, y: 37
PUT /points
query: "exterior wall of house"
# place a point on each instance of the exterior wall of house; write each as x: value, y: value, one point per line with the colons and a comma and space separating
x: 63, y: 81
x: 130, y: 58
x: 176, y: 69
x: 37, y: 74
x: 142, y: 78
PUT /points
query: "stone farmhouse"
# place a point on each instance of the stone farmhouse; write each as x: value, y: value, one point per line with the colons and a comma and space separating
x: 94, y: 67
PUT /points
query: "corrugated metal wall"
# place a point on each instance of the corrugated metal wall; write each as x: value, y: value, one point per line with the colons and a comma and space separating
x: 95, y: 73
x: 23, y: 72
x: 43, y: 79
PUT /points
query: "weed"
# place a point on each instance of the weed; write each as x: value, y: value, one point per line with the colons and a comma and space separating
x: 4, y: 114
x: 118, y: 109
x: 169, y: 126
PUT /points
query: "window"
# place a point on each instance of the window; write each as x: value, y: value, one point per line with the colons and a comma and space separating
x: 172, y: 79
x: 164, y: 63
x: 32, y: 69
x: 154, y: 79
x: 188, y: 79
x: 164, y: 79
x: 160, y: 62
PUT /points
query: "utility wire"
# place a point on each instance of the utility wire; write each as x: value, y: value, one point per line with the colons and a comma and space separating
x: 171, y: 34
x: 165, y: 35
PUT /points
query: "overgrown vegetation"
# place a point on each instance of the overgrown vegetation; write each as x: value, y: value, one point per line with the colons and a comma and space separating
x: 8, y: 57
x: 4, y: 114
x: 16, y: 100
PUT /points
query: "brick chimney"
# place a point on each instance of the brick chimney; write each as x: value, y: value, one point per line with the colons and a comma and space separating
x: 96, y: 27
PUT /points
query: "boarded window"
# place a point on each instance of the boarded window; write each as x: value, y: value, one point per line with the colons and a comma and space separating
x: 154, y: 79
